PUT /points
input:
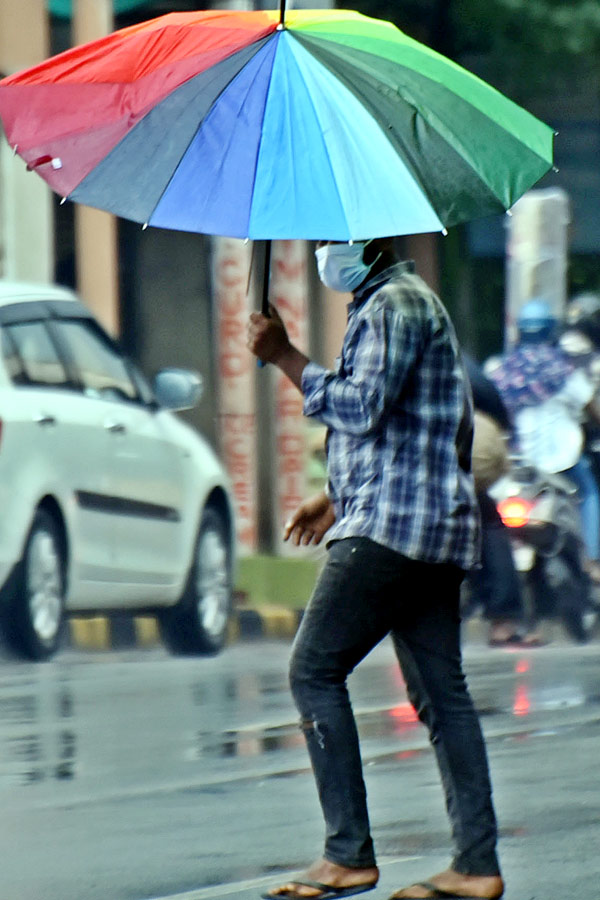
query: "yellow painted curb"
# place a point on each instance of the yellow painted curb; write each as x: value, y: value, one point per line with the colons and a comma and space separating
x: 91, y: 633
x: 278, y: 621
x: 233, y: 630
x: 146, y: 631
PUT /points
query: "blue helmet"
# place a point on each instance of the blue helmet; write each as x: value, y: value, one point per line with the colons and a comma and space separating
x: 535, y: 322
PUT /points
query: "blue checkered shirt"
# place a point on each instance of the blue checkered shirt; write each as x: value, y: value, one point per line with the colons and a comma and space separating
x: 399, y: 412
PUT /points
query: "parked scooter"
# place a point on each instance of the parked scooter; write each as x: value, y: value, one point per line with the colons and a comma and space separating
x: 541, y: 513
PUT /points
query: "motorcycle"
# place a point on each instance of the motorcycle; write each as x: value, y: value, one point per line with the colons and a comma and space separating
x: 540, y: 511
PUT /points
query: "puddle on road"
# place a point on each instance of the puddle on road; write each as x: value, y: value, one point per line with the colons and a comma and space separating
x: 256, y: 741
x: 38, y: 740
x: 398, y: 721
x: 41, y: 717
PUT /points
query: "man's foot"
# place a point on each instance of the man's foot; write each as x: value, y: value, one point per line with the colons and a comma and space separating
x: 454, y: 884
x: 533, y: 639
x: 503, y: 634
x: 328, y: 874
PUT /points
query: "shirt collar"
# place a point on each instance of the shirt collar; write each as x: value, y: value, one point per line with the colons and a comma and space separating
x: 370, y: 286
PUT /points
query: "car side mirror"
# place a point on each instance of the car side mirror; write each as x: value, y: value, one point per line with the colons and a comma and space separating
x: 178, y: 388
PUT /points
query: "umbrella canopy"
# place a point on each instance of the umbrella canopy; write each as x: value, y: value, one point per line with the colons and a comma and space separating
x: 326, y: 125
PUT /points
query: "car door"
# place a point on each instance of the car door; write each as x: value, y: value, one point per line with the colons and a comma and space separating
x: 145, y: 501
x: 63, y: 450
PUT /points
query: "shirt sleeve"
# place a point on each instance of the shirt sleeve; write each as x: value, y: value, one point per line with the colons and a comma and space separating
x: 578, y: 389
x: 354, y: 400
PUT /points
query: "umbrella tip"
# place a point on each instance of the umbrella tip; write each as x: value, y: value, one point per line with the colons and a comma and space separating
x: 63, y: 201
x: 144, y: 226
x: 445, y: 232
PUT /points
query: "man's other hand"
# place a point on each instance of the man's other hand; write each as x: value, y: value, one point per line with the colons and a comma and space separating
x: 311, y: 520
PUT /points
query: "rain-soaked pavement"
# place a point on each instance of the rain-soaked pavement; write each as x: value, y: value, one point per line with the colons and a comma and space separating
x: 133, y: 775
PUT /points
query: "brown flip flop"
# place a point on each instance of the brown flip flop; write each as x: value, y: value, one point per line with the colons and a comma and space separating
x: 328, y: 892
x: 436, y: 893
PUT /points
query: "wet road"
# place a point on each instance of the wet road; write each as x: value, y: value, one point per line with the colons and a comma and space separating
x: 130, y: 776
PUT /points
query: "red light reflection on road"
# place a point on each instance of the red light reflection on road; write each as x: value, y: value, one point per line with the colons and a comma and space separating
x: 522, y: 666
x: 407, y: 754
x: 404, y: 717
x: 522, y: 704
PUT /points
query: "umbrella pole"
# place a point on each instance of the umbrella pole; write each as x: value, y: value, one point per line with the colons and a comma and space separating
x: 264, y: 308
x: 264, y: 305
x: 282, y: 12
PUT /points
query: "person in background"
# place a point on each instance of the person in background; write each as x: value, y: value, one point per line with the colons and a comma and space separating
x: 495, y: 586
x: 580, y: 341
x: 401, y: 521
x: 548, y: 398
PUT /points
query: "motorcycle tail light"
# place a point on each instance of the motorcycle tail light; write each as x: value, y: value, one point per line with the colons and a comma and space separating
x: 514, y: 511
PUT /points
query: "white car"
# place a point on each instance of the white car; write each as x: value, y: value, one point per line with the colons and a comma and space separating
x: 108, y: 501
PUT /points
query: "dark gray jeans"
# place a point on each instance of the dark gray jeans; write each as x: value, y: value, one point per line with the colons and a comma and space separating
x: 364, y: 592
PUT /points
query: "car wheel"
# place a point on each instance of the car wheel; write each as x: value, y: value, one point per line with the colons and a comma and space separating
x: 35, y: 612
x: 197, y: 624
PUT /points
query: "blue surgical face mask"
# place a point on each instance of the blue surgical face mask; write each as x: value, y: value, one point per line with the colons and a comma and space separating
x: 341, y: 266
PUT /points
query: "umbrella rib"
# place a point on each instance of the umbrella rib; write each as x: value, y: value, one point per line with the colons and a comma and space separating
x: 250, y: 205
x: 325, y: 50
x: 442, y: 128
x: 314, y: 109
x: 200, y: 124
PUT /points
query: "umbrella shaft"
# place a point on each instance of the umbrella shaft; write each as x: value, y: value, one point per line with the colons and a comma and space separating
x: 281, y: 12
x: 266, y: 278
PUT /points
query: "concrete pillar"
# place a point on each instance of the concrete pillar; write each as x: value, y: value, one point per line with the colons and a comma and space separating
x: 236, y: 391
x: 536, y: 254
x: 97, y: 262
x: 26, y: 221
x: 289, y: 440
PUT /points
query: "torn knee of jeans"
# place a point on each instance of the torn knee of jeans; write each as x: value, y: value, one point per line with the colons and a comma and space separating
x: 311, y: 727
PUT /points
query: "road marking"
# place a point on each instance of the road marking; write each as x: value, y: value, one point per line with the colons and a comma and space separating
x: 234, y: 887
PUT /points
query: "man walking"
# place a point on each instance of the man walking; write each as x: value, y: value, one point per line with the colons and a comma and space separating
x: 400, y: 517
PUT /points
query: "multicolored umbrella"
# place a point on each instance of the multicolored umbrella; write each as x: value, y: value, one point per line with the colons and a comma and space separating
x: 315, y: 124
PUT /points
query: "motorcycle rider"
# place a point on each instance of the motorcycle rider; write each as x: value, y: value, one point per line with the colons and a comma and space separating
x: 495, y: 586
x: 580, y: 340
x: 548, y: 398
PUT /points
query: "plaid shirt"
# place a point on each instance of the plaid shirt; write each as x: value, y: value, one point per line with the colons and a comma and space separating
x: 399, y: 413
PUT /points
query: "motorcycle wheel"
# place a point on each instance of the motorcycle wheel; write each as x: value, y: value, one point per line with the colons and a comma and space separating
x: 562, y: 587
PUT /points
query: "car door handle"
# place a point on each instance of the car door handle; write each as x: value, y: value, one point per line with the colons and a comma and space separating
x: 44, y: 419
x: 115, y: 427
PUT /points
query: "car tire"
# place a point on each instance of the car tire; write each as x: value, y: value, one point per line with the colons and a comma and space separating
x: 197, y: 624
x: 33, y: 614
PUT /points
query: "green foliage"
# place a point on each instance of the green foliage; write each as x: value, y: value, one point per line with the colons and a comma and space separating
x: 549, y: 27
x: 528, y: 45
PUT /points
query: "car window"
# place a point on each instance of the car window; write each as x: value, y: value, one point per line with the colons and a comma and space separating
x: 40, y: 363
x: 101, y: 369
x: 145, y: 391
x: 12, y: 361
